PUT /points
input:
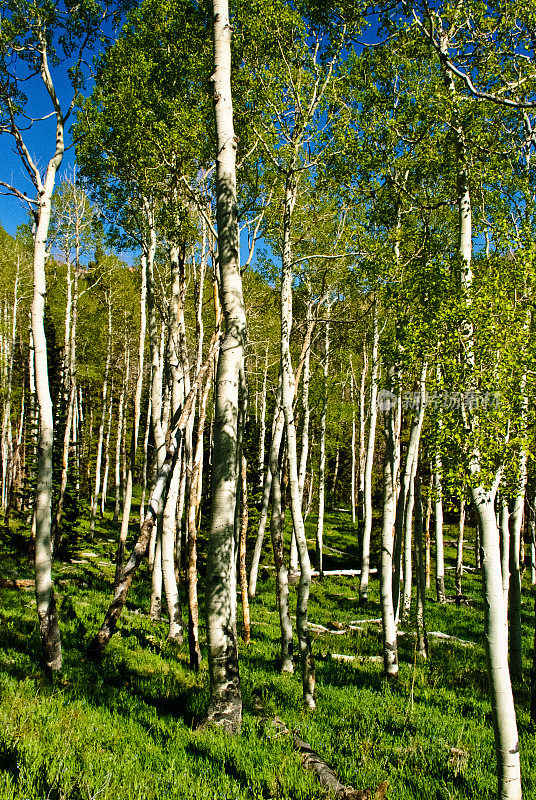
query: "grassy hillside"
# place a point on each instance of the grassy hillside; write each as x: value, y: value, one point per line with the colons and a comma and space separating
x: 126, y: 728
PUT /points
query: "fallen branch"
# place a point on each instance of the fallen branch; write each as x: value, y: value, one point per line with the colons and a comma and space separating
x: 17, y: 583
x: 333, y: 573
x: 326, y: 776
x: 344, y: 657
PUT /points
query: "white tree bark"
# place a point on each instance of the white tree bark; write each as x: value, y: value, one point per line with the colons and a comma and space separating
x: 420, y: 576
x: 459, y: 548
x: 128, y: 486
x: 516, y: 523
x: 367, y: 527
x: 46, y: 606
x: 322, y: 459
x: 104, y: 491
x: 98, y: 463
x: 389, y: 626
x: 495, y: 622
x: 225, y: 696
x: 8, y: 356
x: 352, y: 449
x: 306, y: 657
x: 119, y: 436
x: 504, y: 535
x: 262, y: 433
x: 362, y: 426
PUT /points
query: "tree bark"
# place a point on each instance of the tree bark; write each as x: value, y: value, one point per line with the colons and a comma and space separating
x: 135, y: 422
x: 504, y: 535
x: 304, y: 639
x: 389, y: 626
x: 459, y: 549
x: 367, y: 528
x: 225, y: 696
x: 118, y: 440
x: 420, y: 575
x: 96, y: 491
x: 246, y: 629
x: 193, y: 508
x: 322, y: 459
x: 46, y: 606
x: 98, y: 643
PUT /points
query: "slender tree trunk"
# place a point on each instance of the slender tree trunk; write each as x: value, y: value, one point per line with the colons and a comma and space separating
x: 367, y: 529
x: 246, y: 630
x: 71, y: 426
x: 362, y: 425
x: 302, y: 625
x: 122, y: 586
x: 7, y: 446
x: 420, y: 577
x: 56, y: 535
x: 118, y: 441
x: 96, y: 491
x: 104, y: 492
x: 277, y: 430
x: 281, y: 575
x: 407, y: 528
x: 322, y: 460
x: 504, y: 535
x: 389, y: 627
x: 404, y: 503
x: 459, y: 549
x: 516, y: 522
x: 128, y: 485
x: 46, y: 606
x: 262, y: 433
x: 169, y: 524
x: 496, y: 640
x: 193, y: 508
x: 428, y: 560
x: 352, y: 450
x: 145, y: 465
x: 440, y: 558
x: 225, y: 696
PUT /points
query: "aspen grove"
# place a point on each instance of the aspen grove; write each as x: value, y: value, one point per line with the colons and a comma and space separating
x: 267, y: 389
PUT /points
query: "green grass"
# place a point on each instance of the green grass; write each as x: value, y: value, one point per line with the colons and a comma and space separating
x: 126, y: 728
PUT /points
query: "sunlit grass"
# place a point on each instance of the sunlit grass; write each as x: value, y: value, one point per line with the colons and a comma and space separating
x: 126, y: 728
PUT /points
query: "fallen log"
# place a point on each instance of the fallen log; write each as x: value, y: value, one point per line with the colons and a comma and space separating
x: 17, y: 583
x: 344, y: 657
x: 326, y: 776
x: 335, y: 573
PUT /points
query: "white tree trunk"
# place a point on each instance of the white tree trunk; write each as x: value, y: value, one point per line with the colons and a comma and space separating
x: 96, y: 491
x: 389, y: 627
x: 504, y: 535
x: 128, y: 486
x: 438, y: 507
x: 302, y: 625
x: 367, y: 527
x: 322, y: 459
x: 362, y: 426
x: 46, y: 606
x: 459, y: 549
x: 420, y: 576
x: 352, y: 450
x: 516, y: 522
x: 119, y: 436
x: 225, y: 696
x: 262, y: 433
x: 104, y: 492
x: 281, y: 575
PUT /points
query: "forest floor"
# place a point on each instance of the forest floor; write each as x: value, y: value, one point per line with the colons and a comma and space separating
x: 125, y: 729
